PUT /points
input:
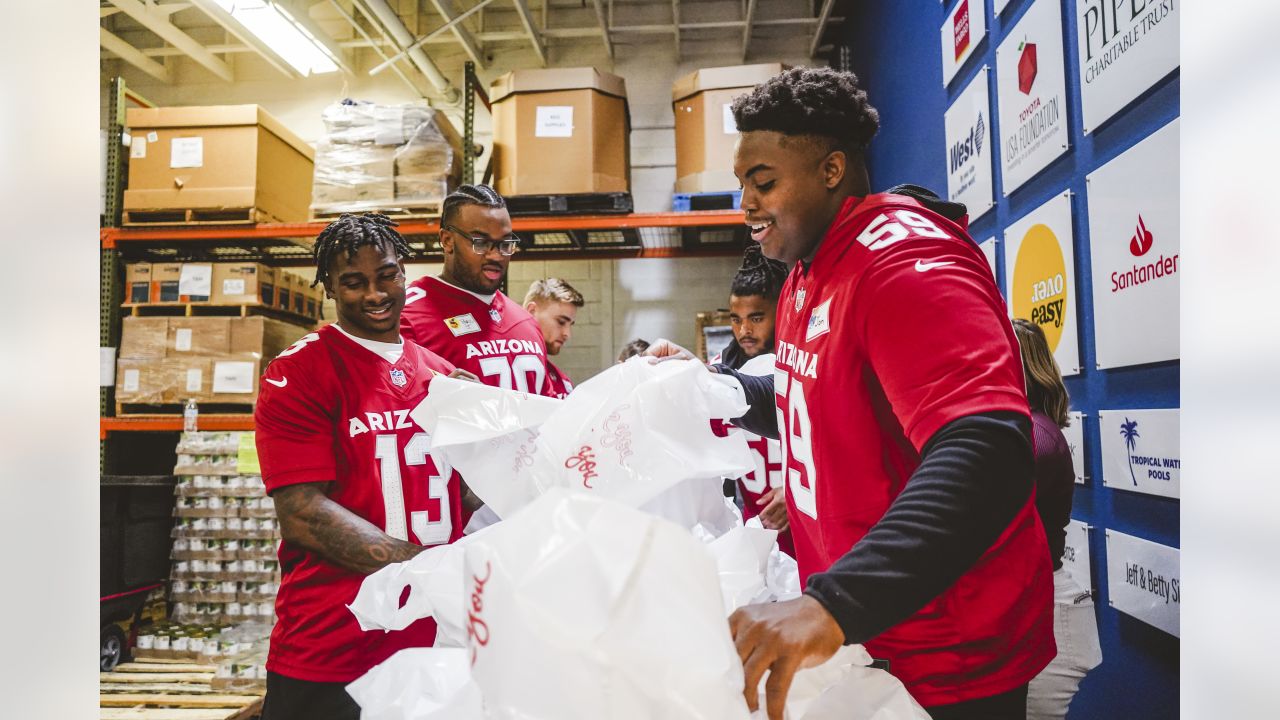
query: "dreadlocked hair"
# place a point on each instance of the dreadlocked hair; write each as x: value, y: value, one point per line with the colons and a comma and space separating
x: 352, y: 231
x: 469, y: 195
x: 810, y: 101
x: 758, y: 275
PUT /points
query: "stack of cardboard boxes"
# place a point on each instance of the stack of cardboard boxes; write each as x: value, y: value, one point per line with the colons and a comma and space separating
x: 251, y: 284
x: 168, y: 360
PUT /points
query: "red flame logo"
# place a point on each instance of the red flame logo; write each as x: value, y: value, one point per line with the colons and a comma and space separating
x: 1141, y: 241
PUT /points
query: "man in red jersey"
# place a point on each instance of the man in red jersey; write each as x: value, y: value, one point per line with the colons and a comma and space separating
x: 554, y: 304
x: 462, y: 315
x: 354, y: 483
x: 903, y: 419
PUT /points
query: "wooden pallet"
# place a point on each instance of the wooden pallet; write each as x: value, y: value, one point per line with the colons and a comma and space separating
x: 425, y: 211
x: 196, y: 216
x: 580, y: 203
x: 169, y: 691
x: 203, y: 309
x: 169, y: 410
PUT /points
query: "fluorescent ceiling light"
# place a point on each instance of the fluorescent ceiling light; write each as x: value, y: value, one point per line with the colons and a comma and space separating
x: 282, y: 34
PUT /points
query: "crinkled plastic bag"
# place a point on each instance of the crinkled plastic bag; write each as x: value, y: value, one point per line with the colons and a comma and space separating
x: 629, y: 433
x: 419, y: 684
x: 580, y: 607
x: 845, y: 688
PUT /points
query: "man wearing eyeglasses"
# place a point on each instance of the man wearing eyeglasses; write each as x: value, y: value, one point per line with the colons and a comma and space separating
x: 462, y: 315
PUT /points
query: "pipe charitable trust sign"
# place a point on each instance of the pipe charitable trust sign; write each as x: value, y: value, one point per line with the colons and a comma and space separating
x: 1042, y: 283
x: 1125, y: 48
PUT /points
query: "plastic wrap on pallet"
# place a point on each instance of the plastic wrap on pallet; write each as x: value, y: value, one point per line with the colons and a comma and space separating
x: 382, y: 157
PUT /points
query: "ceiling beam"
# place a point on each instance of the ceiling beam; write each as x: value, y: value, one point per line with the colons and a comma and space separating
x: 445, y: 8
x: 233, y: 26
x: 161, y: 26
x: 604, y: 27
x: 522, y: 7
x: 823, y: 17
x: 132, y: 55
x: 748, y: 17
x: 675, y: 24
x: 457, y: 20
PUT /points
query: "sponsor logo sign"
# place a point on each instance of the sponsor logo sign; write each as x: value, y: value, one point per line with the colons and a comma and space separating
x: 968, y: 135
x: 963, y: 30
x: 1125, y: 48
x: 1144, y: 580
x: 1140, y: 451
x: 1032, y: 94
x: 1040, y: 271
x: 1135, y: 253
x: 1075, y: 555
x: 1074, y: 433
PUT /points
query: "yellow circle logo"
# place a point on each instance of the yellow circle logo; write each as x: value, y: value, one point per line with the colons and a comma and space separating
x: 1039, y: 291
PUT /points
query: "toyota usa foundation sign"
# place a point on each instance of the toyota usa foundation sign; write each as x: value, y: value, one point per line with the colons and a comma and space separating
x: 961, y: 33
x: 968, y: 130
x: 1040, y: 274
x: 1140, y: 451
x: 1125, y: 48
x: 1134, y: 249
x: 1144, y: 579
x: 1032, y: 94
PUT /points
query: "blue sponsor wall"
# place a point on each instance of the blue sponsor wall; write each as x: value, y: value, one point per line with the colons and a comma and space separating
x: 894, y: 47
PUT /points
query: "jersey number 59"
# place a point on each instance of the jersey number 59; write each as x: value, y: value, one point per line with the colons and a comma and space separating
x: 796, y: 439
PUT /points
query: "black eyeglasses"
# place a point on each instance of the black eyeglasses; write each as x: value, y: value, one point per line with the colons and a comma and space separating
x: 482, y: 245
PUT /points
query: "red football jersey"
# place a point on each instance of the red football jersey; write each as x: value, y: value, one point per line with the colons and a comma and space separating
x: 895, y: 329
x: 561, y: 386
x: 330, y: 410
x: 499, y: 341
x: 767, y: 454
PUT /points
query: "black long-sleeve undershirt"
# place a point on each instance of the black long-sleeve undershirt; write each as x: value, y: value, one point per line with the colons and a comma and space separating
x: 975, y: 474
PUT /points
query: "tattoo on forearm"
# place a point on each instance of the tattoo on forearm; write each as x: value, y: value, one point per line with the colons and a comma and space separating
x: 309, y: 519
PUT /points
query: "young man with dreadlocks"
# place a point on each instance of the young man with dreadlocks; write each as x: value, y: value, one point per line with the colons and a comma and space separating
x: 753, y: 299
x: 903, y: 419
x: 354, y: 482
x: 554, y: 304
x: 463, y: 315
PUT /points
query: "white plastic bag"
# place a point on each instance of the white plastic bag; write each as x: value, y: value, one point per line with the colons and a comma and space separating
x: 630, y: 433
x: 845, y: 688
x: 419, y: 684
x: 580, y: 607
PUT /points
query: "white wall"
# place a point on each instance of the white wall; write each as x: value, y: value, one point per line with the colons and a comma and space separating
x: 626, y: 298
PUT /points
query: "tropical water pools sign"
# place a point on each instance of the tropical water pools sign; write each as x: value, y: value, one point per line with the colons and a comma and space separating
x: 1140, y: 451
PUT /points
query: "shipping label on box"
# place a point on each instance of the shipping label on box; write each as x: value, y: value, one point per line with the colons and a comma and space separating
x: 137, y: 283
x: 195, y: 284
x: 201, y: 336
x: 234, y: 377
x: 238, y: 283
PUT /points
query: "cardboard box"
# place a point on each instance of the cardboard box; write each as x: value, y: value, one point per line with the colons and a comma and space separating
x: 137, y: 283
x: 560, y: 131
x: 215, y: 158
x: 714, y: 331
x: 195, y: 283
x: 164, y: 380
x: 240, y: 283
x: 315, y: 298
x: 705, y: 130
x: 268, y: 279
x: 143, y: 337
x: 261, y: 338
x: 203, y: 336
x: 165, y: 278
x: 284, y: 289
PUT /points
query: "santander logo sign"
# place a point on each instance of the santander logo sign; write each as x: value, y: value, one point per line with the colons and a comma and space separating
x: 1146, y: 270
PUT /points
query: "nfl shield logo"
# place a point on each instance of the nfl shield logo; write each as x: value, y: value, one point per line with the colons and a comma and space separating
x: 799, y: 299
x: 397, y: 377
x: 497, y: 316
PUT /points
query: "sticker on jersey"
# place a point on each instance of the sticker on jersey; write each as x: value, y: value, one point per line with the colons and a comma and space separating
x: 799, y: 299
x: 819, y: 321
x: 497, y: 316
x: 462, y: 325
x: 397, y: 377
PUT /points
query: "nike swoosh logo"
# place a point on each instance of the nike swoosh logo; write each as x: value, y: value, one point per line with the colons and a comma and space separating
x: 278, y: 383
x: 922, y: 266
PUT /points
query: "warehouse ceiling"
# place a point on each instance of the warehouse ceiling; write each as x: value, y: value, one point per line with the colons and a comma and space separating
x: 168, y: 39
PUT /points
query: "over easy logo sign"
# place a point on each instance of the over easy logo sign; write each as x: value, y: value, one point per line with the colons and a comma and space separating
x: 1125, y: 47
x: 1140, y: 451
x: 968, y: 130
x: 1135, y: 252
x: 1041, y: 276
x: 1032, y: 94
x: 961, y: 33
